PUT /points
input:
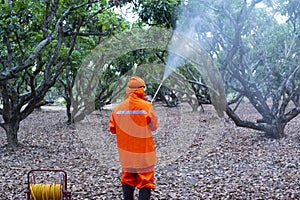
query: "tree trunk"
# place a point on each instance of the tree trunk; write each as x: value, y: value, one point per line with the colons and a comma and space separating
x: 276, y: 130
x: 69, y: 113
x: 11, y: 129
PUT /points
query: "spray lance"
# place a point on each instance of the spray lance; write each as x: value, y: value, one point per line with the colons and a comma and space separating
x: 158, y: 89
x: 168, y: 71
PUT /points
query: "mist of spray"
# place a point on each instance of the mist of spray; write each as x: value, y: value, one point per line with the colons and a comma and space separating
x: 187, y: 29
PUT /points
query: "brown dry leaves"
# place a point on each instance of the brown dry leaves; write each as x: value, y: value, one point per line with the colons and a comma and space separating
x: 242, y: 164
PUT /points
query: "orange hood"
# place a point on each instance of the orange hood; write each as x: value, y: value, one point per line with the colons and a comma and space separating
x: 138, y: 92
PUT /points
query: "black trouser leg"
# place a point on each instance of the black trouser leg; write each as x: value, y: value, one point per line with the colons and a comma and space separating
x: 127, y: 192
x: 144, y: 194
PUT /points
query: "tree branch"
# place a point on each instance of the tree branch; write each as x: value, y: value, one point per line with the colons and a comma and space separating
x: 291, y: 114
x: 86, y: 34
x: 11, y: 73
x: 244, y: 123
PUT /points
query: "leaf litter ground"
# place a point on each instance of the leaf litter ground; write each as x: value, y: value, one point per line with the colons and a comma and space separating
x: 196, y: 160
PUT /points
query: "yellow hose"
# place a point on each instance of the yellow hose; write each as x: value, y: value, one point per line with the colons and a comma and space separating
x: 46, y: 191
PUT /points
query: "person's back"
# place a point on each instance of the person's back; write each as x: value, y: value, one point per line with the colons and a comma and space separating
x: 133, y: 121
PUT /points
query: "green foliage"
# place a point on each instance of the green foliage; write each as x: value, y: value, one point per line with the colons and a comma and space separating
x: 20, y: 25
x: 43, y: 44
x: 292, y: 10
x: 158, y: 13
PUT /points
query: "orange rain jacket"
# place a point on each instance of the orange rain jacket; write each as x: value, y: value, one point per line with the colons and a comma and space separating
x: 133, y: 121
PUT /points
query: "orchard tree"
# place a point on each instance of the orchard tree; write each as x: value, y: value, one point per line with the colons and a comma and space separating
x: 41, y: 40
x: 104, y: 25
x: 258, y: 57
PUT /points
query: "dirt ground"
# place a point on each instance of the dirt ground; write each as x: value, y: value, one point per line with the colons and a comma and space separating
x: 199, y: 157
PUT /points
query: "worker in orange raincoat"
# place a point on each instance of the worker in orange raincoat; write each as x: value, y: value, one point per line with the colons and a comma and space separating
x: 133, y: 121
